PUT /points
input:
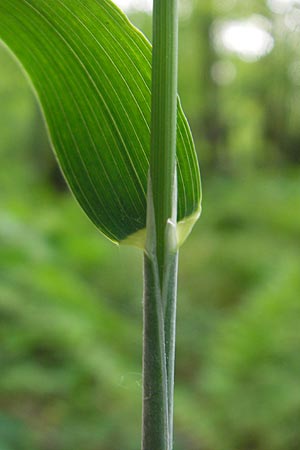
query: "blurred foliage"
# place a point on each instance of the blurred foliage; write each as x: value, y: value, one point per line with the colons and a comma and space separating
x: 70, y: 302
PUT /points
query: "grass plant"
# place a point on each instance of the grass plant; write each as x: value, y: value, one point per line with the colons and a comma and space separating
x: 105, y: 98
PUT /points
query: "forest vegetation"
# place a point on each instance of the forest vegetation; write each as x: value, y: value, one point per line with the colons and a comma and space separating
x: 70, y: 301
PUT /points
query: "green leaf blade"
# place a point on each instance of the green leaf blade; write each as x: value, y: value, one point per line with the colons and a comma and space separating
x: 91, y: 70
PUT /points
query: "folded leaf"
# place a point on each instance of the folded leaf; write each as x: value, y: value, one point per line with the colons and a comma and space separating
x: 91, y: 70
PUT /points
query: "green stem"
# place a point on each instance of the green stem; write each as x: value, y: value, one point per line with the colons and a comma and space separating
x: 155, y: 386
x: 170, y: 334
x: 158, y: 357
x: 164, y: 120
x: 161, y: 256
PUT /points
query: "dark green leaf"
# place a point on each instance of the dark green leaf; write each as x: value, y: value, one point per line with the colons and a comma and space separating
x: 91, y: 70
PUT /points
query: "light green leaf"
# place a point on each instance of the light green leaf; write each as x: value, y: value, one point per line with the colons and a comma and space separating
x: 91, y: 70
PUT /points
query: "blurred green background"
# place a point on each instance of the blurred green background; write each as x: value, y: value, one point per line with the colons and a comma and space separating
x: 70, y: 301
